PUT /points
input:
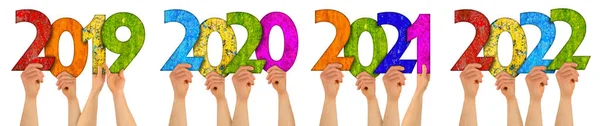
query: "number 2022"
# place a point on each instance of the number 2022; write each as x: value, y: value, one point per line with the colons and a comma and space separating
x: 347, y: 36
x: 520, y: 62
x: 101, y: 31
x: 196, y: 36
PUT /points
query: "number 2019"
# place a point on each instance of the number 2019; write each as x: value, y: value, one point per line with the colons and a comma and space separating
x: 486, y: 38
x: 100, y: 30
x: 347, y: 36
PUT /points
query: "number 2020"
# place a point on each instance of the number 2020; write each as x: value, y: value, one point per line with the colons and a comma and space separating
x: 347, y: 36
x: 196, y: 37
x: 486, y: 38
x: 101, y: 31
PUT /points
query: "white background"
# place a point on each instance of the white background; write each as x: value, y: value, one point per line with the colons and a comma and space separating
x: 150, y: 95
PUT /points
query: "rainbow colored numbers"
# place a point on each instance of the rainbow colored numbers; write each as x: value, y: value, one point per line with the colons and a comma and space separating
x: 347, y: 37
x: 101, y: 31
x: 197, y: 34
x: 486, y: 38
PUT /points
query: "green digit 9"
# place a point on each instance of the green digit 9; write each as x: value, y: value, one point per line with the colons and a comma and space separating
x: 127, y: 49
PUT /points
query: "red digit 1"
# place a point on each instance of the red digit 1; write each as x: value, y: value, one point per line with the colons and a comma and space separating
x: 43, y: 28
x: 482, y: 33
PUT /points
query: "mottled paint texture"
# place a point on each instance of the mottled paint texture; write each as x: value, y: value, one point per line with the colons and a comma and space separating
x: 519, y: 42
x: 229, y: 45
x: 127, y: 49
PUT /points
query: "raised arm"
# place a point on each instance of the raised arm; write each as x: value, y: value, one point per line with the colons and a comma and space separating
x: 331, y: 78
x: 393, y: 81
x: 67, y: 83
x: 366, y: 83
x: 89, y: 114
x: 413, y: 114
x: 566, y: 76
x: 31, y: 77
x: 506, y: 83
x: 536, y: 80
x: 180, y: 79
x: 116, y: 83
x: 243, y: 80
x: 216, y: 84
x: 470, y: 78
x: 277, y: 78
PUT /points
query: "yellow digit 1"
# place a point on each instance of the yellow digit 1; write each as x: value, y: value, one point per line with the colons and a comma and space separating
x: 519, y: 42
x: 229, y: 45
x: 92, y: 31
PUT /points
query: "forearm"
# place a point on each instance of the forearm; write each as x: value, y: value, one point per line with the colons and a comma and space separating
x: 392, y: 116
x: 286, y: 116
x: 240, y: 116
x: 413, y: 114
x: 374, y: 117
x: 178, y: 113
x: 565, y: 112
x: 534, y: 114
x: 124, y: 116
x: 223, y: 116
x: 29, y: 117
x: 469, y: 113
x: 74, y: 111
x: 329, y: 114
x: 90, y: 111
x: 514, y: 114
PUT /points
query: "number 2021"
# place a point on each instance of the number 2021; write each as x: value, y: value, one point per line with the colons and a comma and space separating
x: 486, y: 38
x: 347, y: 36
x: 196, y: 37
x: 100, y: 30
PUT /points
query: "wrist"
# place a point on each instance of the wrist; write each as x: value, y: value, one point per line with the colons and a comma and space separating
x: 243, y: 101
x: 565, y: 98
x: 535, y: 100
x: 392, y: 99
x: 469, y: 98
x: 118, y: 94
x: 74, y: 99
x: 283, y: 94
x: 372, y: 99
x: 33, y: 97
x: 511, y: 98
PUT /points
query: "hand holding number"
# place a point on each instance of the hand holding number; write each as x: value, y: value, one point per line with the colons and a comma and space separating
x: 242, y: 81
x: 567, y: 76
x: 180, y: 79
x: 470, y: 78
x: 536, y: 80
x: 116, y: 82
x: 98, y: 79
x: 67, y: 83
x: 331, y: 78
x: 506, y: 83
x: 216, y: 84
x: 393, y: 81
x: 277, y: 78
x: 32, y: 76
x: 366, y: 83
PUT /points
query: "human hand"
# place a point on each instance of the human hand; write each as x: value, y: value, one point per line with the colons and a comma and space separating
x: 116, y: 82
x: 98, y: 79
x: 216, y: 84
x: 366, y: 83
x: 67, y: 83
x: 31, y: 77
x: 536, y: 80
x: 277, y: 78
x: 331, y: 78
x: 423, y: 79
x: 180, y: 79
x: 242, y: 81
x: 506, y: 83
x: 470, y: 78
x: 566, y: 76
x: 393, y: 81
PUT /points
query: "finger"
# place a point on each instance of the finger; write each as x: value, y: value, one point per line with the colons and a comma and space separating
x: 108, y: 73
x: 424, y: 70
x: 122, y: 74
x: 274, y: 68
x: 362, y: 74
x: 473, y: 66
x: 276, y: 78
x: 34, y: 65
x: 333, y: 66
x: 568, y: 65
x: 245, y: 68
x: 395, y: 68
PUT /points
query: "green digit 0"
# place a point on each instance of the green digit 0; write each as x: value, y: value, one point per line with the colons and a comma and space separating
x: 379, y: 45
